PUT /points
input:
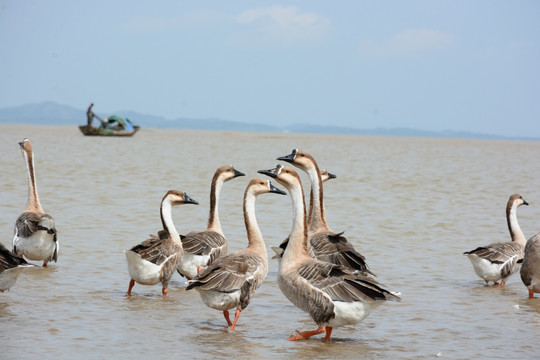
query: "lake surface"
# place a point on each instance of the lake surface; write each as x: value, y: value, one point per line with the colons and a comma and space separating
x: 410, y: 205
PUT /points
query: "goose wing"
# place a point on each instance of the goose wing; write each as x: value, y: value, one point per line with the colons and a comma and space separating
x: 334, y: 248
x: 9, y: 260
x: 340, y: 284
x: 156, y: 249
x: 204, y: 243
x: 29, y: 222
x: 506, y: 254
x: 229, y: 273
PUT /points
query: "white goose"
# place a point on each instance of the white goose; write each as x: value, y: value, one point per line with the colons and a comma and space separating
x: 331, y: 294
x: 35, y: 232
x: 231, y: 281
x: 203, y: 247
x: 530, y: 268
x: 154, y: 260
x: 325, y: 244
x: 10, y: 267
x: 496, y: 262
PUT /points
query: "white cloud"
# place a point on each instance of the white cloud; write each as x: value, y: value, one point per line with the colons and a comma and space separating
x: 408, y: 43
x: 286, y: 24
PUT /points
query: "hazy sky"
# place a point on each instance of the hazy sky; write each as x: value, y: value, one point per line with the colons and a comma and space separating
x: 431, y: 65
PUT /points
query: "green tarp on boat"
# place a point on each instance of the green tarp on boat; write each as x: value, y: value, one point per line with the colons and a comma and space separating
x: 126, y: 124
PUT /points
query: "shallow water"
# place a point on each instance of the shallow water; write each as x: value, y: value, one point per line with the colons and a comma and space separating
x: 410, y: 205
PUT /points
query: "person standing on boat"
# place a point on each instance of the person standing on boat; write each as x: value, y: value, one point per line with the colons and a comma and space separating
x: 90, y: 114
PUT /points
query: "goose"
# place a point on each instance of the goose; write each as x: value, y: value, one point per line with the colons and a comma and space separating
x: 325, y: 176
x: 11, y: 266
x: 325, y: 244
x: 35, y: 233
x: 496, y: 262
x: 203, y: 247
x: 231, y: 281
x: 530, y: 267
x: 155, y: 260
x: 331, y: 294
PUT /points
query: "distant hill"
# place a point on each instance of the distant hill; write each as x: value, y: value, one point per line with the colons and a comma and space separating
x: 51, y: 113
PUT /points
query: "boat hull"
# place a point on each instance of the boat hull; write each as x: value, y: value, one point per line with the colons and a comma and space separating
x: 98, y: 131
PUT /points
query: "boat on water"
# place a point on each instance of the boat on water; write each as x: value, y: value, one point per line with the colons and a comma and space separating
x: 90, y: 130
x: 110, y: 126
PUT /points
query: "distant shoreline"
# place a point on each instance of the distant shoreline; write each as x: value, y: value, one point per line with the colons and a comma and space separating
x: 273, y: 133
x: 51, y: 114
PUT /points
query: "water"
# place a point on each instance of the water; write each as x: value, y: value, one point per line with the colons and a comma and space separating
x: 410, y: 205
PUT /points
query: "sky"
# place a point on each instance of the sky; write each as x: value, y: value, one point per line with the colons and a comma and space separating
x: 456, y: 65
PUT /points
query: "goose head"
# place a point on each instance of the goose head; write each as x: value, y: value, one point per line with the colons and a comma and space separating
x: 284, y: 175
x: 516, y: 200
x: 325, y: 175
x: 25, y: 145
x: 227, y: 172
x: 177, y: 197
x: 259, y: 186
x: 300, y: 159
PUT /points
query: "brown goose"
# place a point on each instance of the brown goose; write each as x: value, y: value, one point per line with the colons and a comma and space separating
x: 203, y: 247
x: 154, y: 260
x: 231, y: 281
x: 325, y: 176
x: 496, y: 262
x: 10, y: 267
x: 35, y: 232
x: 331, y: 294
x: 530, y: 268
x: 325, y: 244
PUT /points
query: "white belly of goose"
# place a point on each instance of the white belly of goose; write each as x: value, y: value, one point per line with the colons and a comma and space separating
x: 190, y: 263
x: 485, y: 268
x: 142, y: 271
x: 39, y: 246
x: 350, y: 313
x: 219, y: 300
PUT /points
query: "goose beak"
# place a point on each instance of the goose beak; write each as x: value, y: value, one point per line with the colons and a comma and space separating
x: 525, y: 203
x: 238, y: 173
x: 273, y: 173
x: 275, y: 190
x: 331, y: 176
x: 289, y: 158
x: 189, y: 200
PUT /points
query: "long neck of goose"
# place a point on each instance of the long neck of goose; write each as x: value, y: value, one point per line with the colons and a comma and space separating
x: 167, y: 221
x: 213, y: 217
x: 33, y: 203
x: 310, y: 210
x: 513, y: 225
x: 318, y: 216
x: 254, y: 235
x: 298, y: 237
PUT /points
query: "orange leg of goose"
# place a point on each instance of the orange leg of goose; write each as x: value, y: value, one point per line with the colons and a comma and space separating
x: 502, y: 283
x: 44, y: 264
x: 306, y: 334
x: 236, y: 316
x: 131, y: 283
x: 531, y: 294
x: 328, y: 333
x: 226, y: 316
x: 164, y: 291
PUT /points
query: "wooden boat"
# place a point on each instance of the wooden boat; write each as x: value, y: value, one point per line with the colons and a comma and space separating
x: 100, y: 131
